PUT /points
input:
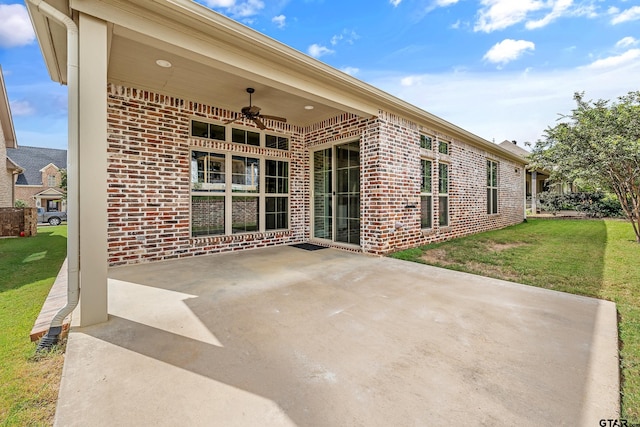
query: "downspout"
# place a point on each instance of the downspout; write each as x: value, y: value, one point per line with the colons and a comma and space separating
x: 73, y: 194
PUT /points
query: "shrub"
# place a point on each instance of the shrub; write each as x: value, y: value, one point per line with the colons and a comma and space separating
x: 20, y: 204
x: 594, y: 204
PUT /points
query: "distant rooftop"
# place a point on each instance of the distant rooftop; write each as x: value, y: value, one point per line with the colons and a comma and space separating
x: 32, y: 159
x: 514, y: 148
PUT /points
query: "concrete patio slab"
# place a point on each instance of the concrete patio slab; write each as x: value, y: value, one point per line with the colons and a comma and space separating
x: 283, y: 336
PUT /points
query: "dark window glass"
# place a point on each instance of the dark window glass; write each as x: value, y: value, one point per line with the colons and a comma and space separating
x: 278, y: 142
x: 425, y: 142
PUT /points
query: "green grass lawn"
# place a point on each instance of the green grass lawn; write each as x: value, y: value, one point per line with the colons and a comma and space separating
x: 595, y: 258
x: 28, y: 383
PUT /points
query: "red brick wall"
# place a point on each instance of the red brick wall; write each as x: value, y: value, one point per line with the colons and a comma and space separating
x: 394, y: 193
x: 148, y: 180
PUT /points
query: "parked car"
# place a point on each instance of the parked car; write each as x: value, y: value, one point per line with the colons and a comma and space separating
x: 53, y: 218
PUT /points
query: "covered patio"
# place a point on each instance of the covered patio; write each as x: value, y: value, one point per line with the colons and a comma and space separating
x: 286, y: 336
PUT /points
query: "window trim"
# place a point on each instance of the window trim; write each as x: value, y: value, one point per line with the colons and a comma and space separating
x: 491, y: 203
x: 426, y: 194
x: 229, y: 127
x: 424, y: 136
x: 228, y: 192
x: 444, y: 143
x: 444, y: 195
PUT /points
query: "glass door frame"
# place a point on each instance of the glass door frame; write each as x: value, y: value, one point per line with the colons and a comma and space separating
x: 334, y: 196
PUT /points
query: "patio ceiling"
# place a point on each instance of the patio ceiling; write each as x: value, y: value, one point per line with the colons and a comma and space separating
x: 132, y: 62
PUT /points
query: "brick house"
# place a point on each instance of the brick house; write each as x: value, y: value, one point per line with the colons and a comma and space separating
x: 173, y: 161
x: 8, y: 167
x: 38, y: 185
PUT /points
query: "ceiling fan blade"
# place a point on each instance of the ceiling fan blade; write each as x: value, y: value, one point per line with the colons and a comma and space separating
x: 276, y: 118
x: 259, y: 123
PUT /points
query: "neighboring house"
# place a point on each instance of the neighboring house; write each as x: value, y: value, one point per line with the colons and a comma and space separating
x: 537, y: 180
x: 170, y: 168
x: 39, y: 183
x: 9, y: 169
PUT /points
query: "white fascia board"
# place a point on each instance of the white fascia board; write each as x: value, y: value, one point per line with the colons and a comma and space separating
x: 198, y: 33
x: 45, y: 29
x: 6, y: 120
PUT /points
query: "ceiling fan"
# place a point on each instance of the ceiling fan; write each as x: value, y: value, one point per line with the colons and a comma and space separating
x: 252, y: 112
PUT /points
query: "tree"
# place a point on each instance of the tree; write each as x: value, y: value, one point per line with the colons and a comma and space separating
x: 598, y: 144
x: 63, y: 182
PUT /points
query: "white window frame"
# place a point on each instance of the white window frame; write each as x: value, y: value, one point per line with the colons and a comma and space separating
x: 445, y: 195
x: 228, y: 193
x: 429, y: 193
x: 447, y: 144
x: 229, y: 133
x: 493, y: 175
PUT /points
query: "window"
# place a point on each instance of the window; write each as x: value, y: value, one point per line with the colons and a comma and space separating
x: 51, y: 180
x: 492, y: 187
x: 443, y: 194
x: 277, y: 183
x: 425, y: 142
x: 426, y: 202
x: 239, y: 136
x: 207, y: 171
x: 242, y: 136
x: 208, y: 130
x: 279, y: 142
x: 443, y: 147
x: 250, y: 204
x: 245, y: 175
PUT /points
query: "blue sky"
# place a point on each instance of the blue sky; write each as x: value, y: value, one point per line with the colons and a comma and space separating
x: 502, y: 69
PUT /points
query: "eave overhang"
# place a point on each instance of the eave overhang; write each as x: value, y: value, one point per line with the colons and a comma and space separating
x: 202, y: 37
x: 6, y: 120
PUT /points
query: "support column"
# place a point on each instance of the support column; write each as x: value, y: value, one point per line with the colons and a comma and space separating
x: 534, y: 192
x: 93, y: 170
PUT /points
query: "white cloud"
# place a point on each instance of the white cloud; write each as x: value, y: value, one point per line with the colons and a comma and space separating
x: 242, y: 9
x: 352, y: 71
x: 558, y: 10
x: 631, y: 14
x: 219, y: 3
x: 348, y: 36
x: 616, y: 61
x: 444, y: 3
x: 508, y: 50
x: 279, y: 20
x: 22, y: 108
x: 16, y: 29
x: 409, y: 81
x: 395, y: 3
x: 500, y: 14
x: 317, y: 50
x: 626, y: 42
x: 508, y: 105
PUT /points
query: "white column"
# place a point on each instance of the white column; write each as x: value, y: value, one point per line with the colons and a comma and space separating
x: 534, y: 192
x: 93, y: 170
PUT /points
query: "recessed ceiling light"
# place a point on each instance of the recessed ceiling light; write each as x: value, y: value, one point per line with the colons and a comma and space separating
x: 308, y: 107
x: 163, y: 63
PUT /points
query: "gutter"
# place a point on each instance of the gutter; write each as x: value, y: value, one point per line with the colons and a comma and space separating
x: 73, y: 194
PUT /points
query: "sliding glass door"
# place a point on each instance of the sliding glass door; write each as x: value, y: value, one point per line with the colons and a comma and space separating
x: 336, y: 193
